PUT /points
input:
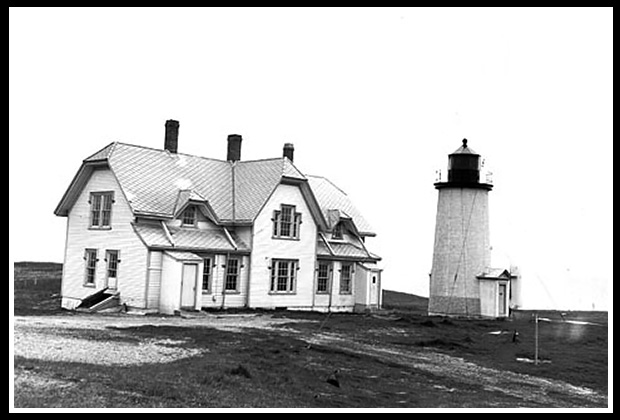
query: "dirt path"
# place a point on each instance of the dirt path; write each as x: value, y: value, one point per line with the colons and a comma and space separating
x: 529, y: 389
x: 74, y: 339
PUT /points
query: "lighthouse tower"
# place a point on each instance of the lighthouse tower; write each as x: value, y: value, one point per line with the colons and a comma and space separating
x: 462, y: 252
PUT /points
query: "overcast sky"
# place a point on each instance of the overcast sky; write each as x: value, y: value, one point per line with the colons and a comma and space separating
x: 373, y: 99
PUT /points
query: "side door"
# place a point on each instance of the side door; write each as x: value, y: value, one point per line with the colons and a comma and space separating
x: 374, y: 286
x: 188, y: 285
x: 112, y: 261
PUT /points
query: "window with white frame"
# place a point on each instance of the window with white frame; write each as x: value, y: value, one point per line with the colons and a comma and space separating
x: 323, y: 276
x: 346, y: 274
x: 207, y: 275
x: 188, y: 218
x: 283, y: 275
x: 286, y: 222
x: 90, y: 256
x: 232, y: 275
x: 101, y: 209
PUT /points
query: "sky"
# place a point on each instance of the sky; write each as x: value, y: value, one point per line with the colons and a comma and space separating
x: 373, y: 99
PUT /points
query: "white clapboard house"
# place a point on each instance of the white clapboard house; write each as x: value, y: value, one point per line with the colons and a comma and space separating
x: 161, y: 231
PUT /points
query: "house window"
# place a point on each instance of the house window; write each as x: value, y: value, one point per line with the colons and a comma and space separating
x: 232, y: 275
x: 346, y: 272
x: 101, y: 209
x: 90, y: 256
x: 207, y: 275
x: 189, y: 216
x: 283, y: 275
x: 323, y: 275
x: 286, y: 222
x: 337, y: 232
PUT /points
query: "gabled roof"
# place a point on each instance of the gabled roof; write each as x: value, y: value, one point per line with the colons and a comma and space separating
x: 336, y: 205
x: 101, y: 154
x: 157, y: 183
x: 191, y: 197
x: 254, y: 181
x: 494, y: 274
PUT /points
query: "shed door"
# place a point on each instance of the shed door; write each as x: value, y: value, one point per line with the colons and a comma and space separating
x: 502, y: 299
x: 188, y: 285
x: 374, y: 286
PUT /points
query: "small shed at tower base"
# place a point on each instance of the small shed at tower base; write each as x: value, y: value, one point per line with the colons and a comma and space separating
x: 495, y: 292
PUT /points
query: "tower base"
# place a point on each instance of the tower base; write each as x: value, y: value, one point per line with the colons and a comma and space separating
x: 453, y: 306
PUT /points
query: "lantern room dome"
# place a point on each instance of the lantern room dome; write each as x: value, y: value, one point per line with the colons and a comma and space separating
x: 464, y: 169
x: 465, y: 150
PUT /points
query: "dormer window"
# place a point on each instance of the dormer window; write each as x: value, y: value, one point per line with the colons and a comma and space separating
x: 286, y: 222
x: 337, y: 232
x: 188, y: 218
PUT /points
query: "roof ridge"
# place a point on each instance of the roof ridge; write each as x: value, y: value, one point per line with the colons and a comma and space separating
x: 166, y: 151
x: 258, y: 160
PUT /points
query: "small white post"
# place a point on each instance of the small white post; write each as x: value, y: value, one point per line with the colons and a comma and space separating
x: 536, y: 338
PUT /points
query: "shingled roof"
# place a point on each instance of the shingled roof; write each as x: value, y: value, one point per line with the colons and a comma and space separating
x: 336, y: 205
x: 156, y: 182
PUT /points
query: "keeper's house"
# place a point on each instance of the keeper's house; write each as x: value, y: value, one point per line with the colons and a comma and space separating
x: 161, y: 231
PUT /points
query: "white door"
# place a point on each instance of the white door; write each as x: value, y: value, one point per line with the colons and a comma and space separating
x: 374, y: 287
x: 112, y: 269
x: 502, y: 299
x: 188, y: 285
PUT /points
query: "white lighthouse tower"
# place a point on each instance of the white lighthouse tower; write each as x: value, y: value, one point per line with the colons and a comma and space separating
x: 461, y: 280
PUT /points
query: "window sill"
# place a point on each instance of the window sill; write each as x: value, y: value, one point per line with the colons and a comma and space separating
x: 326, y: 293
x: 282, y: 293
x: 232, y: 292
x: 90, y: 285
x: 206, y: 292
x: 346, y: 293
x: 99, y: 228
x: 285, y: 238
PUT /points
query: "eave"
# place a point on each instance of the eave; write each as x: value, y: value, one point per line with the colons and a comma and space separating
x: 345, y: 258
x: 77, y: 184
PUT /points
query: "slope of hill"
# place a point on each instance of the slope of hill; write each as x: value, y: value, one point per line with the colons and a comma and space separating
x: 405, y: 302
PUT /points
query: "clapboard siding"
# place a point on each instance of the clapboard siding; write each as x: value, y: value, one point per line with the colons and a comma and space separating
x: 133, y: 253
x: 154, y: 279
x: 338, y: 302
x: 265, y: 248
x: 215, y: 298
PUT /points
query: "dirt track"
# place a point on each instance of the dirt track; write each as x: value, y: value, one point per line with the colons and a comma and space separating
x: 529, y: 389
x: 63, y: 338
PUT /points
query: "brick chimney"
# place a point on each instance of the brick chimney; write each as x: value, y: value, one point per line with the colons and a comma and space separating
x: 288, y: 151
x: 171, y: 141
x: 234, y: 147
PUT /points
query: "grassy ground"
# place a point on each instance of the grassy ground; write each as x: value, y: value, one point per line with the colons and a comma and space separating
x: 391, y: 359
x: 36, y: 288
x: 576, y: 353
